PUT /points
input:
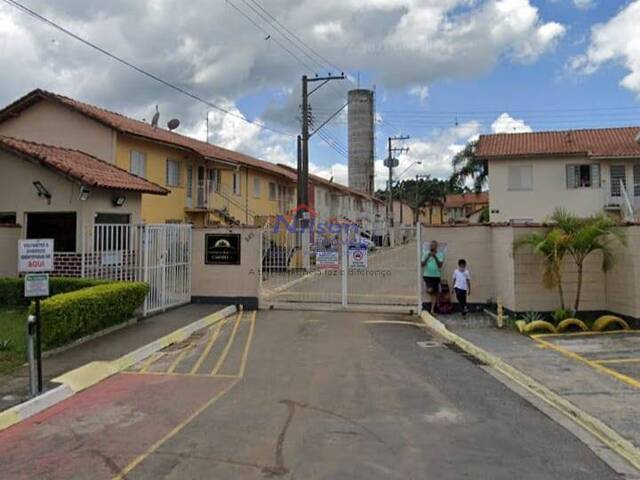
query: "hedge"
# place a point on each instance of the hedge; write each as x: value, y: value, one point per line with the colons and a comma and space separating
x: 69, y: 316
x: 12, y: 289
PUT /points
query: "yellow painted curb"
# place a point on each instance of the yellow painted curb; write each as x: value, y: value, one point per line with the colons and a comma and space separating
x: 597, y: 428
x: 572, y: 322
x: 538, y: 325
x: 87, y: 375
x: 8, y: 418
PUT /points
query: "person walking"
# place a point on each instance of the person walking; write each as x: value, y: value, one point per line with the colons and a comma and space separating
x: 462, y: 284
x: 432, y: 262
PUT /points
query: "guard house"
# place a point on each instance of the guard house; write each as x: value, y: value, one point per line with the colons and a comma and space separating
x: 53, y: 192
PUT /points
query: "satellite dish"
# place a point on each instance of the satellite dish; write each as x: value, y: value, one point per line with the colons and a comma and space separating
x: 156, y: 117
x: 173, y: 124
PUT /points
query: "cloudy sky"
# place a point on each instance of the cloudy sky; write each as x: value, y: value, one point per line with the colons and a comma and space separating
x: 443, y: 70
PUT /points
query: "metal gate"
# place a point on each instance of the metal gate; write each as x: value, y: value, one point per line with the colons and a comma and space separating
x: 159, y: 255
x: 341, y: 268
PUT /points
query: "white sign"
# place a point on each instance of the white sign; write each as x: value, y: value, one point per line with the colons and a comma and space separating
x: 327, y: 259
x: 358, y: 257
x: 111, y: 258
x: 36, y: 285
x: 35, y: 256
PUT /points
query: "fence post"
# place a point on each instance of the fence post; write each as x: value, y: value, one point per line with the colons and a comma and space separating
x: 345, y: 267
x: 418, y: 264
x: 145, y: 266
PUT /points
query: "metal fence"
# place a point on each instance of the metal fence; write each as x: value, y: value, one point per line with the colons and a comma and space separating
x: 159, y: 255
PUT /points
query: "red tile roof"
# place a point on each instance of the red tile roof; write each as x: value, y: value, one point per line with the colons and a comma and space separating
x: 466, y: 199
x: 80, y: 166
x: 141, y: 129
x: 605, y: 142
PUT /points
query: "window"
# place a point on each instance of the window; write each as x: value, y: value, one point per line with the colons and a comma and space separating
x: 189, y: 181
x: 236, y: 184
x: 61, y: 226
x: 112, y: 218
x: 272, y: 191
x: 138, y: 163
x: 214, y: 180
x: 256, y: 187
x: 327, y: 198
x: 636, y: 179
x: 520, y: 177
x: 583, y: 176
x: 618, y: 175
x: 7, y: 218
x: 173, y: 173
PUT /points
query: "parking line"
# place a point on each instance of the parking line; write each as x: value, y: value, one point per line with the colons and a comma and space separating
x: 215, y: 333
x: 585, y: 334
x: 139, y: 459
x: 149, y: 361
x: 619, y: 360
x: 178, y: 359
x: 227, y: 347
x: 596, y: 366
x: 247, y: 346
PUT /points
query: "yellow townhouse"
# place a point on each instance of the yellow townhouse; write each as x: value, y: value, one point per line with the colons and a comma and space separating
x: 207, y: 184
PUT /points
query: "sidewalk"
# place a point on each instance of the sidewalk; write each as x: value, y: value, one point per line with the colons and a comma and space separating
x: 14, y: 387
x: 599, y: 394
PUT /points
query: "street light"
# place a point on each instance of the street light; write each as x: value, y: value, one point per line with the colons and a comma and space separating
x: 418, y: 176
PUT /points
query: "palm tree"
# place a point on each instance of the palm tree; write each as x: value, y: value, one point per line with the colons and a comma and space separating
x: 467, y: 166
x: 588, y: 235
x: 552, y: 245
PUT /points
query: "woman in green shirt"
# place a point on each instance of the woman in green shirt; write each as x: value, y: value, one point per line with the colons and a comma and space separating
x: 432, y: 262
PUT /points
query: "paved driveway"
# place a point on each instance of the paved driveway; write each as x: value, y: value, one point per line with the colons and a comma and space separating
x: 299, y: 395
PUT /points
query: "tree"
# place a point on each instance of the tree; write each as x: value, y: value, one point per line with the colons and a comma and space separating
x: 588, y: 235
x: 552, y: 245
x: 467, y: 166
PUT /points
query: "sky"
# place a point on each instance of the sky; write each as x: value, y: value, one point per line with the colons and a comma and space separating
x: 444, y: 71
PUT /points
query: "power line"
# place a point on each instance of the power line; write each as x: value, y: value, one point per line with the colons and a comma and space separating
x: 153, y: 76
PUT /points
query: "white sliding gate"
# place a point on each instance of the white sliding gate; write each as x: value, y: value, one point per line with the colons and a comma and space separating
x: 159, y: 255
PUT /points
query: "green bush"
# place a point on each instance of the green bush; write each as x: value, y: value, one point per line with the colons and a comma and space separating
x: 12, y: 289
x: 69, y: 316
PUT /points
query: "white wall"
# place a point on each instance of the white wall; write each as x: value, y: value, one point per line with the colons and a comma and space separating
x: 549, y: 190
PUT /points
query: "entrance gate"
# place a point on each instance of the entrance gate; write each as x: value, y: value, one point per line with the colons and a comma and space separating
x: 159, y: 255
x: 339, y: 270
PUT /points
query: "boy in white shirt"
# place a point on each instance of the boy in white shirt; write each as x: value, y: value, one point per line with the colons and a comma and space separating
x: 462, y: 284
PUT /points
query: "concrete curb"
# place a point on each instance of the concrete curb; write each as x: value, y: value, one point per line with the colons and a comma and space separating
x: 597, y: 428
x: 92, y: 373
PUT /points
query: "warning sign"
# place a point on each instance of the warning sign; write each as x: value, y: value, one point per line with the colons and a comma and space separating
x: 327, y: 259
x: 358, y: 257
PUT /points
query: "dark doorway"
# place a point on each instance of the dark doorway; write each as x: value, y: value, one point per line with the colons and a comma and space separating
x: 61, y: 226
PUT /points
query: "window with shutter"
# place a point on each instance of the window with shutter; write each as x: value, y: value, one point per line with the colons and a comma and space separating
x: 636, y: 179
x: 520, y: 177
x: 618, y: 174
x: 583, y: 176
x: 572, y: 178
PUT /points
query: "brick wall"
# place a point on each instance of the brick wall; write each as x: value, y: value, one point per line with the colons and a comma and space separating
x: 67, y: 265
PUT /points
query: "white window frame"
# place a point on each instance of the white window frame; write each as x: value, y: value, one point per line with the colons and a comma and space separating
x: 173, y: 177
x: 138, y: 163
x: 521, y: 187
x: 257, y: 186
x: 573, y: 176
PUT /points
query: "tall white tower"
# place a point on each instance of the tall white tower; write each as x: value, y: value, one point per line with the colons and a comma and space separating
x: 361, y: 140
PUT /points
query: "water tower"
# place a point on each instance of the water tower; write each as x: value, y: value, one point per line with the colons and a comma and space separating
x: 361, y: 140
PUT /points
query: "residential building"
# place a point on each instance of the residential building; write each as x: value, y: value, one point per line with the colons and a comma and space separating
x: 55, y: 192
x: 464, y: 208
x: 584, y: 171
x: 207, y: 184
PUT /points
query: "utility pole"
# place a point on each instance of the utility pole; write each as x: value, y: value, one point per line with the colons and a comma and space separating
x: 303, y: 150
x: 391, y: 163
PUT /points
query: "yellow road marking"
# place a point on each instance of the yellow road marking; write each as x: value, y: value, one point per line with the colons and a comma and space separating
x: 227, y: 347
x: 607, y: 371
x: 247, y: 346
x: 149, y: 361
x: 206, y: 375
x: 215, y: 333
x: 178, y: 359
x: 394, y: 322
x: 122, y: 475
x: 619, y: 360
x: 583, y: 334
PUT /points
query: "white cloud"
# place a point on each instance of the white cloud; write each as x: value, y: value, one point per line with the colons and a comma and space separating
x: 421, y: 92
x: 584, y: 4
x: 505, y: 123
x: 615, y: 41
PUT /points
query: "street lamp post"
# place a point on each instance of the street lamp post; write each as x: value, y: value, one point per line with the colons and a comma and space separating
x: 418, y: 176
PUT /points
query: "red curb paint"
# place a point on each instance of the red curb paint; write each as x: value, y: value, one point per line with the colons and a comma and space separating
x: 96, y: 433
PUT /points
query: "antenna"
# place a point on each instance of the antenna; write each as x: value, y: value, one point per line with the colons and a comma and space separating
x: 173, y: 124
x: 156, y: 118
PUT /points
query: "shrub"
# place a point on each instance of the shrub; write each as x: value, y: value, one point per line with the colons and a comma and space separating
x: 12, y: 289
x: 560, y: 314
x: 69, y: 316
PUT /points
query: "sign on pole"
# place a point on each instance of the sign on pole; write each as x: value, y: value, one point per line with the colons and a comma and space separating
x: 35, y: 256
x: 327, y: 259
x: 358, y: 257
x: 36, y: 285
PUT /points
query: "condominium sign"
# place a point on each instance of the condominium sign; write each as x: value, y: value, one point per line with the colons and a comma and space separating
x: 35, y: 256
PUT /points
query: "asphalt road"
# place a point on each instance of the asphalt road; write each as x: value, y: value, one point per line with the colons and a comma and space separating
x: 301, y: 395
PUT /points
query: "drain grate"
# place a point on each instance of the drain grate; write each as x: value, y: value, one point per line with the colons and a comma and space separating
x: 455, y: 348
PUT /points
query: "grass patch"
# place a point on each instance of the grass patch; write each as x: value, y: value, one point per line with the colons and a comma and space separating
x: 13, y: 338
